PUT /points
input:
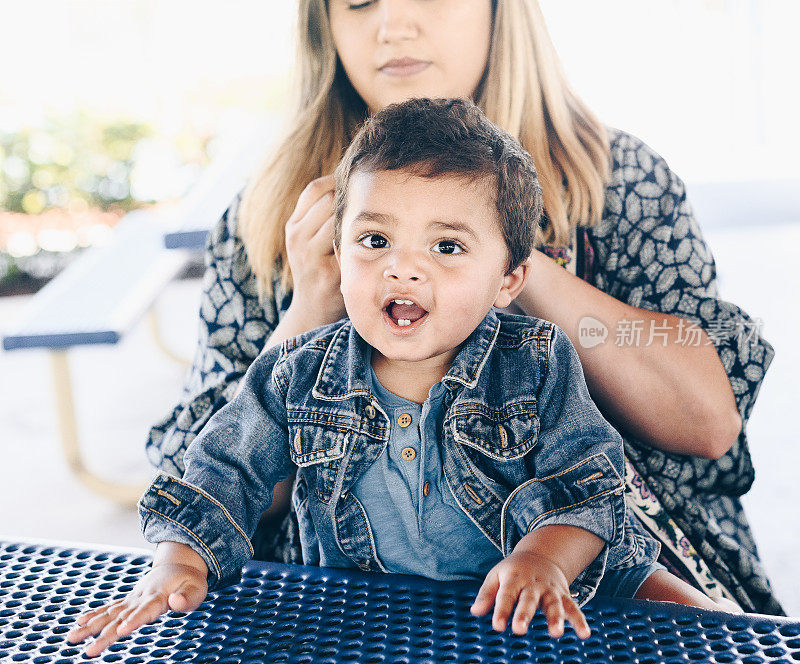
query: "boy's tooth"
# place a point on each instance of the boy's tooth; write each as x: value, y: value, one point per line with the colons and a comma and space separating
x: 402, y: 322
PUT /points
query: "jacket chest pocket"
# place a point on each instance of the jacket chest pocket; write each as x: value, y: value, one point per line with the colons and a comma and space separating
x: 319, y: 448
x: 501, y: 435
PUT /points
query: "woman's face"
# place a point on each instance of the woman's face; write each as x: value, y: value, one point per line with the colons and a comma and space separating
x: 393, y: 50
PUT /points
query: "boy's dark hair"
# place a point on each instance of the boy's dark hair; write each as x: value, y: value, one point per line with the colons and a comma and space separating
x: 432, y: 137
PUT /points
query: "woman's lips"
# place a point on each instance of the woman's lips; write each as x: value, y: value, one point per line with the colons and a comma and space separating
x: 404, y: 67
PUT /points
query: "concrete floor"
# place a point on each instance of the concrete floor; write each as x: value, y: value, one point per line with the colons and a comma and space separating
x: 121, y: 390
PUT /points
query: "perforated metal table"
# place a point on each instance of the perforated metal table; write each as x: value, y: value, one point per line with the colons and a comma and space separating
x: 286, y: 613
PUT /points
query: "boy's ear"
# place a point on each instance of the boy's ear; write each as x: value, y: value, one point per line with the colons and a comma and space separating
x: 513, y: 283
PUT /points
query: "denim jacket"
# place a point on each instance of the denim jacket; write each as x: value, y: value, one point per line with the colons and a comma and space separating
x: 523, y: 446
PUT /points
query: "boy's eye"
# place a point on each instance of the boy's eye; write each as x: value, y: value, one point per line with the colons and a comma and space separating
x: 448, y: 247
x: 373, y: 241
x: 359, y: 5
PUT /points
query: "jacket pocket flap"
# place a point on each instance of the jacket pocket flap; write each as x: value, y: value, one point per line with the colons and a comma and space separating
x: 503, y: 435
x: 311, y: 443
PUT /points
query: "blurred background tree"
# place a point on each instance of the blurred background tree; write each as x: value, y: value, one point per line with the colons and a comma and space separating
x: 65, y: 182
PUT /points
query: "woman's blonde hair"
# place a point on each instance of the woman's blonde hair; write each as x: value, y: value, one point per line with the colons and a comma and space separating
x: 524, y: 91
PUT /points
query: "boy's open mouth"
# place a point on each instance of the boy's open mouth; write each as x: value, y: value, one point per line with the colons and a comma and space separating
x: 404, y: 315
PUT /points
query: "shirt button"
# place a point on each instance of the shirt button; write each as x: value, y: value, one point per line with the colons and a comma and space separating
x: 426, y: 488
x: 409, y: 453
x: 404, y: 420
x: 370, y: 411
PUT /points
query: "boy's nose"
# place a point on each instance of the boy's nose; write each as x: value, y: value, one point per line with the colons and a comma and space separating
x: 403, y: 267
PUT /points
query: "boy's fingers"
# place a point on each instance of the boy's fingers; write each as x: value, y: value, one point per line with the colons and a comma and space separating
x: 123, y: 615
x: 86, y: 617
x: 554, y: 610
x: 576, y: 618
x: 485, y: 597
x: 503, y: 605
x: 526, y: 608
x: 106, y: 637
x: 186, y: 598
x: 145, y: 613
x: 97, y: 621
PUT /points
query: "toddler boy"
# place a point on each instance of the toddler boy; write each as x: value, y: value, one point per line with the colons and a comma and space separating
x: 431, y: 434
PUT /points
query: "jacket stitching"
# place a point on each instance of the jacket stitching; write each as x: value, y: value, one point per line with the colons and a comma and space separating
x: 501, y: 414
x: 504, y: 509
x: 566, y: 507
x: 477, y: 523
x: 475, y: 475
x: 222, y: 507
x: 169, y: 497
x: 493, y: 445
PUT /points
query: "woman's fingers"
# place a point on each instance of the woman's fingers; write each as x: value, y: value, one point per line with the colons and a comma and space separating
x: 576, y: 618
x: 314, y: 191
x: 300, y: 232
x: 323, y: 238
x: 526, y: 608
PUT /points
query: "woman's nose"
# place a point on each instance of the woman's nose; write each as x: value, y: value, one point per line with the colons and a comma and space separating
x: 397, y: 21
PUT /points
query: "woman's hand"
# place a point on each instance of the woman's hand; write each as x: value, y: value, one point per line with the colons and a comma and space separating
x: 179, y: 586
x: 317, y: 299
x: 530, y: 581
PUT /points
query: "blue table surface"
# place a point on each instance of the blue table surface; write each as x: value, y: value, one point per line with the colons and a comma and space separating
x: 289, y: 613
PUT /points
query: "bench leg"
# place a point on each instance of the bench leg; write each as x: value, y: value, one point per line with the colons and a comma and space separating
x: 155, y: 329
x: 125, y: 494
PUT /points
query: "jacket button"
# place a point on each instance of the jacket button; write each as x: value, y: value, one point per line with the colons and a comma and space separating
x: 408, y: 453
x: 404, y: 420
x: 426, y: 488
x: 370, y: 411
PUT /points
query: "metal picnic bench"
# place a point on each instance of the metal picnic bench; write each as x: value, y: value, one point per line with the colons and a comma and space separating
x: 314, y: 615
x: 105, y: 291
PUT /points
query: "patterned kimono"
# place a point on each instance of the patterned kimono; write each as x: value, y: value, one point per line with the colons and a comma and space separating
x: 647, y: 251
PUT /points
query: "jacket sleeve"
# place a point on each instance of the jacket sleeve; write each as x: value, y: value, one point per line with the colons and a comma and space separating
x: 234, y: 327
x: 576, y: 467
x: 232, y: 467
x: 652, y: 255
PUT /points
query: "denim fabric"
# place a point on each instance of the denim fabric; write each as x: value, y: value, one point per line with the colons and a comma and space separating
x: 414, y: 533
x: 522, y: 446
x: 624, y: 582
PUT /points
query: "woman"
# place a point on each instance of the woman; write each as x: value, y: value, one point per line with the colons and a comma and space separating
x: 679, y: 369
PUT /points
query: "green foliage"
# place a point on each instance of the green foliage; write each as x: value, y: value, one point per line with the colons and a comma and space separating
x: 69, y: 162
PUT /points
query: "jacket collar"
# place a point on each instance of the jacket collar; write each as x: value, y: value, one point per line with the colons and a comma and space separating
x: 345, y: 373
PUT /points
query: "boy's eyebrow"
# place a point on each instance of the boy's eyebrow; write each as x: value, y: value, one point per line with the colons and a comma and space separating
x: 391, y: 220
x: 457, y: 226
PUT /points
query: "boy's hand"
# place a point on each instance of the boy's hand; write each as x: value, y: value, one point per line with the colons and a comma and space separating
x: 529, y: 580
x: 166, y: 586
